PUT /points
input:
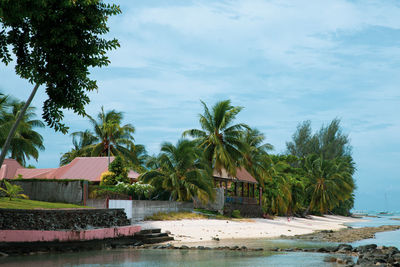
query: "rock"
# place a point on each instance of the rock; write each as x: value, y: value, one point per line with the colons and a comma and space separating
x: 344, y: 248
x: 215, y: 238
x: 322, y: 250
x: 2, y: 254
x: 137, y: 243
x: 243, y: 248
x: 329, y: 259
x: 184, y: 247
x: 339, y: 261
x: 396, y: 257
x: 200, y: 247
x: 366, y: 248
x: 258, y: 249
x: 234, y: 248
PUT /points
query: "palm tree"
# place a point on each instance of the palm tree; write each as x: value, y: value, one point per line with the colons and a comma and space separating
x: 330, y: 181
x: 182, y: 172
x: 26, y: 142
x: 141, y: 157
x: 82, y: 142
x: 255, y: 156
x: 108, y: 138
x: 113, y: 138
x: 219, y: 138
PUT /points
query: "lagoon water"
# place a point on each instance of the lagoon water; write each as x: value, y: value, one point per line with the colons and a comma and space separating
x: 194, y: 258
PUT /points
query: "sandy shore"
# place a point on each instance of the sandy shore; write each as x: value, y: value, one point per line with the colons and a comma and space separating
x: 205, y: 230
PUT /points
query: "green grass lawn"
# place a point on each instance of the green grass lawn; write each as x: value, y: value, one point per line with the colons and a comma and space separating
x: 17, y: 203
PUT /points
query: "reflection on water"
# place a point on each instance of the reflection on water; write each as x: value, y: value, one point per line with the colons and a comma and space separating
x: 152, y: 258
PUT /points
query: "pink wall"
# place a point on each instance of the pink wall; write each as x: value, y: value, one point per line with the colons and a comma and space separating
x: 65, y: 236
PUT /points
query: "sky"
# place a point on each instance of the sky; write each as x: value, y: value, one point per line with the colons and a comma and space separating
x: 283, y: 61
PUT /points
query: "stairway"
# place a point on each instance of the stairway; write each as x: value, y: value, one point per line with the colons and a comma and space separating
x: 152, y: 236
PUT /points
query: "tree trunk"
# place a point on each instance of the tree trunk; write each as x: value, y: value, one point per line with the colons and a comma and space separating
x: 305, y: 213
x: 15, y: 126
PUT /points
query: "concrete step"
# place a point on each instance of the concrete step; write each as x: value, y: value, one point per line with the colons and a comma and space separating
x: 140, y: 236
x: 150, y: 231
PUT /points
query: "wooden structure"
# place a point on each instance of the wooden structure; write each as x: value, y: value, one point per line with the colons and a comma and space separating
x: 240, y: 189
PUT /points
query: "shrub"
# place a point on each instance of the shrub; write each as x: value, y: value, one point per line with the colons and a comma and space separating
x: 137, y: 190
x: 106, y: 191
x: 118, y: 167
x: 236, y: 214
x: 13, y: 191
x: 108, y: 178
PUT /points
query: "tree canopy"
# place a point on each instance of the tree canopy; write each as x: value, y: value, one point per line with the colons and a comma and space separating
x: 55, y: 42
x: 219, y: 137
x: 27, y: 142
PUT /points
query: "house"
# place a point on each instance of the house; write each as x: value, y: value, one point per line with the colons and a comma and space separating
x: 85, y: 168
x: 240, y: 189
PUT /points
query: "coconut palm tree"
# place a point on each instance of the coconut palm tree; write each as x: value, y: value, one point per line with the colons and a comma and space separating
x: 108, y: 138
x: 182, y: 172
x: 140, y: 157
x: 255, y: 156
x: 83, y: 144
x: 330, y: 181
x: 113, y: 138
x: 26, y: 142
x: 219, y: 138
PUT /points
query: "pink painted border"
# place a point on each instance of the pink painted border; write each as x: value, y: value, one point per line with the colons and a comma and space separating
x: 65, y: 236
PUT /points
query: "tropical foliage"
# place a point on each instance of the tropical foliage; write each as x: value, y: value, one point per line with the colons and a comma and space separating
x: 219, y: 137
x: 55, y: 44
x: 12, y: 191
x: 254, y: 155
x: 108, y: 138
x: 181, y: 171
x: 82, y: 142
x: 26, y: 142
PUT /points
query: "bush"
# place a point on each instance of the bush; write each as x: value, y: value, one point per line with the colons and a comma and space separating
x: 108, y: 178
x: 236, y: 214
x: 137, y: 190
x: 106, y: 191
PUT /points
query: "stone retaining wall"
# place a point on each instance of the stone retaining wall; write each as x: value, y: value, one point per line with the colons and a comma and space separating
x: 69, y: 219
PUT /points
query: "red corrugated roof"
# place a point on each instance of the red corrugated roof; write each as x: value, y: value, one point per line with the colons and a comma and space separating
x: 9, y: 168
x: 242, y: 175
x: 86, y: 168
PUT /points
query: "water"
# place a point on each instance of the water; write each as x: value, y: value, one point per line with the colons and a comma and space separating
x: 151, y: 258
x: 391, y: 238
x: 195, y: 258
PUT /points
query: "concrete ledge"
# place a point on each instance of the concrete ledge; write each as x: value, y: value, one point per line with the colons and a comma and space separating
x: 67, y: 236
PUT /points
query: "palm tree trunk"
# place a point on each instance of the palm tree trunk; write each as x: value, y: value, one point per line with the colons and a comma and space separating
x: 305, y: 213
x: 15, y: 126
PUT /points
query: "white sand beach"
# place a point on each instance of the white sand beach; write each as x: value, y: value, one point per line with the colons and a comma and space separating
x: 205, y: 230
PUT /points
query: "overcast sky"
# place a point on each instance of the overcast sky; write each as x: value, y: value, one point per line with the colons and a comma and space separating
x: 283, y: 61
